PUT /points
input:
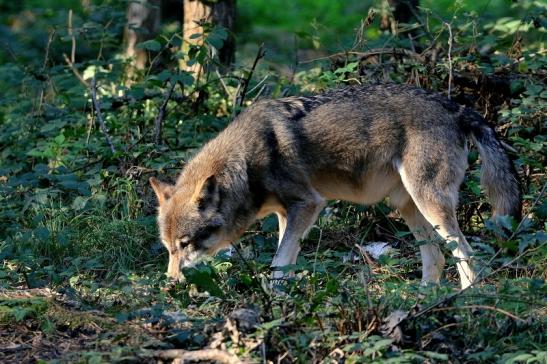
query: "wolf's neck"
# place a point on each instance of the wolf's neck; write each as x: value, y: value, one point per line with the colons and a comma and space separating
x: 219, y: 158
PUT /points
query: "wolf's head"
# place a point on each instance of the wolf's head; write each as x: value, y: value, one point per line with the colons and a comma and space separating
x: 190, y: 222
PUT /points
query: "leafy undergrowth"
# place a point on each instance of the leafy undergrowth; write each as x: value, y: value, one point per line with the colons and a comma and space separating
x: 82, y: 272
x: 341, y: 305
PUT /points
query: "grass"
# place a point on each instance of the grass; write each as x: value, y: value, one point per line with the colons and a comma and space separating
x: 333, y: 308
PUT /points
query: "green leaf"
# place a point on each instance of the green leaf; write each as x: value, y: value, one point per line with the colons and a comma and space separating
x: 519, y: 357
x: 79, y: 203
x: 59, y: 139
x: 202, y: 277
x: 20, y: 313
x: 184, y: 77
x: 42, y: 233
x: 271, y: 324
x: 150, y: 45
x: 382, y: 344
x: 434, y: 355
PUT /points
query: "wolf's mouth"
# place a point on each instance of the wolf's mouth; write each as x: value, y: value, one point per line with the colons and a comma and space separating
x: 190, y: 257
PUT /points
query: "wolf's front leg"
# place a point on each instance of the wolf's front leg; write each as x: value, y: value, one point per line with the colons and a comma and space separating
x: 299, y: 219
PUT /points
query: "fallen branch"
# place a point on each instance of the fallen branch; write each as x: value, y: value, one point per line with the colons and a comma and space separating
x: 373, y: 52
x: 97, y: 108
x: 197, y: 355
x: 162, y: 112
x: 484, y: 307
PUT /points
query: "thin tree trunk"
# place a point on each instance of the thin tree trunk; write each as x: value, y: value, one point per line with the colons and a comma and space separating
x: 143, y: 23
x: 198, y: 12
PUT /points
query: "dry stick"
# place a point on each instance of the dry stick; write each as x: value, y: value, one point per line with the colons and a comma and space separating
x: 365, y: 282
x: 222, y: 83
x: 75, y: 70
x: 48, y: 46
x: 97, y: 108
x: 450, y: 40
x: 70, y: 61
x: 234, y: 102
x: 373, y: 52
x: 162, y: 112
x: 259, y: 55
x: 197, y: 355
x: 484, y: 307
x: 46, y: 58
x: 259, y: 84
x: 73, y: 50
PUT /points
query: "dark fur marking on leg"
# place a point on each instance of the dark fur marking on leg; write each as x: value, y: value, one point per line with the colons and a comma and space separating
x: 431, y: 170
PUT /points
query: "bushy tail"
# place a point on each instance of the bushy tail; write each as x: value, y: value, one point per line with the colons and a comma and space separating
x: 498, y: 175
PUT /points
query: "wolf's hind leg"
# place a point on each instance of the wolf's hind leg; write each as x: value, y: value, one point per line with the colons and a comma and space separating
x: 436, y: 199
x: 300, y: 217
x: 432, y: 257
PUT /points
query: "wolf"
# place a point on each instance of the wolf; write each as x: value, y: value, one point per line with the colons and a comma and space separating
x: 361, y: 144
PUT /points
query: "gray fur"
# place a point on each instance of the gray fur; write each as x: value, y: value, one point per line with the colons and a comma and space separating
x: 359, y: 143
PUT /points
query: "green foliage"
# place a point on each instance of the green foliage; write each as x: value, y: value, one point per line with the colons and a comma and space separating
x: 79, y: 219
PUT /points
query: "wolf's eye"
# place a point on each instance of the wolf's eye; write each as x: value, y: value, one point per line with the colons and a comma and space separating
x: 205, y: 233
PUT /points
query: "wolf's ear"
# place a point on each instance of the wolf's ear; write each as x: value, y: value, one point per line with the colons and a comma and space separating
x: 162, y: 189
x: 207, y: 194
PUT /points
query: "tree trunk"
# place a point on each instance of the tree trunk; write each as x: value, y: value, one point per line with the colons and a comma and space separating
x: 198, y: 12
x: 143, y: 23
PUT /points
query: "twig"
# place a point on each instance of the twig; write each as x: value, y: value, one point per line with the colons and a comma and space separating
x: 373, y: 52
x: 197, y: 355
x: 75, y: 70
x: 10, y: 51
x: 259, y: 55
x: 365, y: 256
x: 426, y: 336
x: 222, y: 83
x: 97, y: 108
x: 478, y: 278
x: 48, y: 46
x: 162, y: 112
x: 73, y: 50
x: 259, y: 84
x: 259, y: 93
x: 365, y: 281
x: 485, y: 307
x: 44, y: 66
x: 234, y: 102
x: 476, y: 281
x: 450, y: 40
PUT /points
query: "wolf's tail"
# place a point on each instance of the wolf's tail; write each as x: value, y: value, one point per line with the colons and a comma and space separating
x: 498, y: 175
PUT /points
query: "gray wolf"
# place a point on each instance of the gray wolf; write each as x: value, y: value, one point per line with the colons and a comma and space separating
x: 360, y: 144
